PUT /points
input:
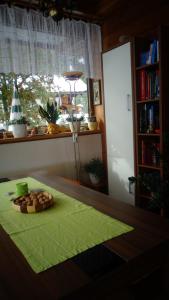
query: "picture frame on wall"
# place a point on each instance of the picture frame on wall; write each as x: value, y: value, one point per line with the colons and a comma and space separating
x: 97, y: 92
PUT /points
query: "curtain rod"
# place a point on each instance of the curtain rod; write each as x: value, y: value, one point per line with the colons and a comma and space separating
x: 74, y: 14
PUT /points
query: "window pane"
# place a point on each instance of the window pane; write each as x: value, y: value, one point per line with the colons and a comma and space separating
x: 35, y: 90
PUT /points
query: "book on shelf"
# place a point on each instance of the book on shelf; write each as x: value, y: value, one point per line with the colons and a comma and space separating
x: 153, y: 52
x: 142, y: 84
x: 156, y: 154
x: 148, y: 84
x: 156, y: 118
x: 157, y: 84
x: 157, y: 51
x: 150, y: 153
x: 143, y: 119
x: 149, y: 59
x: 143, y: 153
x: 146, y: 154
x: 149, y: 118
x: 144, y: 55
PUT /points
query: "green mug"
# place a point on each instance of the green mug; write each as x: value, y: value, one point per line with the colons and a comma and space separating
x: 21, y: 188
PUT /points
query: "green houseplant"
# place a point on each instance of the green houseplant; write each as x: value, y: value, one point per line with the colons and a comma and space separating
x: 51, y: 115
x: 95, y: 169
x: 159, y: 190
x: 160, y: 185
x: 156, y: 185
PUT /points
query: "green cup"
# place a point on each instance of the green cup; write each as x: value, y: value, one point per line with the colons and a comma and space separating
x: 21, y: 188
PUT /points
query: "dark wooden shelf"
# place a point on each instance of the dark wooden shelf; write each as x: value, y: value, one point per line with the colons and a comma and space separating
x: 148, y: 197
x: 148, y: 66
x: 148, y: 101
x: 148, y: 134
x: 150, y: 83
x: 150, y: 167
x: 150, y: 80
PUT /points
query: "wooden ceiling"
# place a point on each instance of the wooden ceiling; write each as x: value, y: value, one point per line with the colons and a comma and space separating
x: 98, y: 11
x: 94, y: 10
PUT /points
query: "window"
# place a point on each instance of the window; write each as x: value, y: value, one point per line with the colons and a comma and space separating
x: 33, y: 44
x: 37, y: 90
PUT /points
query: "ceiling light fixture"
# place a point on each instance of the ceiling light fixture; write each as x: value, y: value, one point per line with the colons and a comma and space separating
x: 56, y: 8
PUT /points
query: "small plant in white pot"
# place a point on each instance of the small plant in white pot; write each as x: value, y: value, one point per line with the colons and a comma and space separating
x: 92, y: 123
x: 74, y: 122
x: 19, y: 127
x: 95, y: 169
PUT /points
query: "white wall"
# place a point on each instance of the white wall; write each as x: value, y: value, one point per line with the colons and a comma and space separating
x: 119, y: 122
x: 53, y: 154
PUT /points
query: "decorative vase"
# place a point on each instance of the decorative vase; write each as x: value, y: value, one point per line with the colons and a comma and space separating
x: 74, y: 126
x: 19, y: 130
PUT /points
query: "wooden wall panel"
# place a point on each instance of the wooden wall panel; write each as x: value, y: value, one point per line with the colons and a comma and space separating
x: 133, y: 21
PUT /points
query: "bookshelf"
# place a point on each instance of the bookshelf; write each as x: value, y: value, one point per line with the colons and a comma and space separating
x: 150, y: 54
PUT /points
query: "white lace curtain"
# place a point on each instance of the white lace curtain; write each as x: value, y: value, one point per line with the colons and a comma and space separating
x: 33, y: 44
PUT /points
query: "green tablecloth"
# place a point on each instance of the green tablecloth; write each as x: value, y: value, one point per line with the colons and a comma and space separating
x: 61, y: 232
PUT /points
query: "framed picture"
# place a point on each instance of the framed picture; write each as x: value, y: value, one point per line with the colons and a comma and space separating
x: 96, y: 92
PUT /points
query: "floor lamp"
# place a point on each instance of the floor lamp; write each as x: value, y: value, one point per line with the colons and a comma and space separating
x: 74, y: 77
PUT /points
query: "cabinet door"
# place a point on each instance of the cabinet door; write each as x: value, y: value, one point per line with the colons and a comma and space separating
x: 119, y: 121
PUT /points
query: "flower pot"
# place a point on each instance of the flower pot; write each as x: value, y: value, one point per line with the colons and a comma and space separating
x: 19, y: 130
x: 53, y: 128
x: 74, y: 126
x: 92, y: 125
x: 94, y: 179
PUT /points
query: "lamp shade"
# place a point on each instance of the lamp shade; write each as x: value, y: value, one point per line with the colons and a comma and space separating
x: 72, y: 75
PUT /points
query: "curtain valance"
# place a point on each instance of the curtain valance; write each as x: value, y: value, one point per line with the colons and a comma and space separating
x: 33, y: 44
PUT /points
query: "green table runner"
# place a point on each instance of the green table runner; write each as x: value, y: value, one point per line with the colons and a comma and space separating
x: 61, y: 232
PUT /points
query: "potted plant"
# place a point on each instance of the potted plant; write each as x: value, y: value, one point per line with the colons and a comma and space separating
x: 51, y: 115
x: 19, y: 127
x: 159, y: 191
x: 95, y: 169
x: 92, y: 123
x: 74, y: 122
x: 156, y: 185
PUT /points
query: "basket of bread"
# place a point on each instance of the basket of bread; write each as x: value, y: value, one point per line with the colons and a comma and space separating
x: 33, y: 202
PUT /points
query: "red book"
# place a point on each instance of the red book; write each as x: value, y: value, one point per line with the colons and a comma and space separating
x: 149, y: 157
x: 148, y: 86
x: 142, y: 84
x: 143, y: 153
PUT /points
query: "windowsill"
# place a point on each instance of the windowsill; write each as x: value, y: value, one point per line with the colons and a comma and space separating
x: 37, y: 137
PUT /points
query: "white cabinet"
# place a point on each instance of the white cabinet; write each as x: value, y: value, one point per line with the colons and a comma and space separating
x: 53, y: 155
x: 119, y: 121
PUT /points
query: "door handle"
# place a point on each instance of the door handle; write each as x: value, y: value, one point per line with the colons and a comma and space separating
x: 128, y: 97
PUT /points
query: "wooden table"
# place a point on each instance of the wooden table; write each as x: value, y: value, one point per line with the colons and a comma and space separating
x: 143, y: 253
